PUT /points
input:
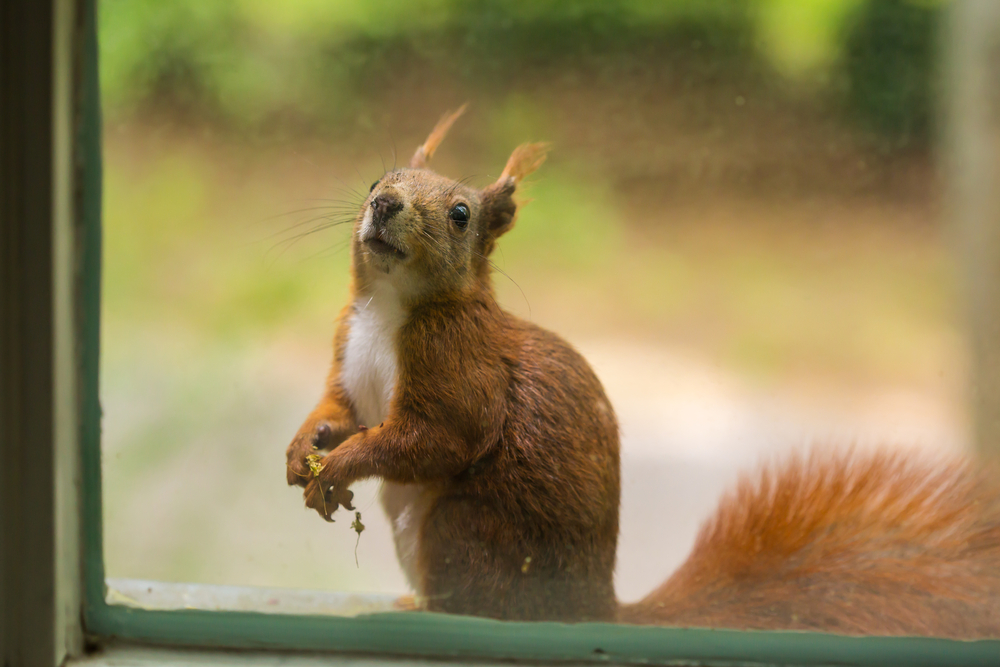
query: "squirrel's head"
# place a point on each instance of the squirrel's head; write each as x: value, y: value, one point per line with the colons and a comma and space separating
x: 426, y: 233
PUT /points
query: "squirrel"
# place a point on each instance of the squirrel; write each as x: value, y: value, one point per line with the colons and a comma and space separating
x: 499, y: 455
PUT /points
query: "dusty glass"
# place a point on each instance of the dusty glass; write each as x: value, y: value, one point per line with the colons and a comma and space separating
x: 739, y: 226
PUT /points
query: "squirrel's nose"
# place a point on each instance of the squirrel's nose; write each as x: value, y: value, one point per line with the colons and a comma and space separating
x: 384, y: 207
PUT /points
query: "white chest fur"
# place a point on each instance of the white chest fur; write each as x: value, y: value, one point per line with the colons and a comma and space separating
x: 368, y: 374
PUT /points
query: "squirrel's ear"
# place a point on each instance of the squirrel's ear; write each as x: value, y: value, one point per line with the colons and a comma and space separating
x: 525, y: 159
x: 498, y: 199
x: 426, y: 151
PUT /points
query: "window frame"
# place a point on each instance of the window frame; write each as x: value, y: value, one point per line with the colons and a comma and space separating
x: 385, y: 634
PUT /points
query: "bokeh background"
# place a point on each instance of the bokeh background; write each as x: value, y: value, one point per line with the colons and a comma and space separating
x: 739, y: 225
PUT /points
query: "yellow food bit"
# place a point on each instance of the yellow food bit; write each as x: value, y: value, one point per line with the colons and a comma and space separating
x: 314, y: 464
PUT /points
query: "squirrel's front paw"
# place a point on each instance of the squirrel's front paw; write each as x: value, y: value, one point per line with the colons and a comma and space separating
x: 325, y: 496
x: 301, y: 456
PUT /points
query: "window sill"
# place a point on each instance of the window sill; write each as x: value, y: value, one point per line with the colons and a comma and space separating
x: 132, y: 655
x: 161, y: 596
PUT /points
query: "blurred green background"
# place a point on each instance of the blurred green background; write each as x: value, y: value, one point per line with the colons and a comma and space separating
x: 748, y: 185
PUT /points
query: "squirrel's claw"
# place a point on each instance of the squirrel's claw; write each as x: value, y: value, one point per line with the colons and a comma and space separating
x: 297, y: 471
x: 326, y: 498
x: 296, y: 475
x: 346, y: 496
x: 315, y: 499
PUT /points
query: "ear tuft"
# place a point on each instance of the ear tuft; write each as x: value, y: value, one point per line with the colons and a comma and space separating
x: 525, y: 159
x: 499, y: 206
x: 426, y: 151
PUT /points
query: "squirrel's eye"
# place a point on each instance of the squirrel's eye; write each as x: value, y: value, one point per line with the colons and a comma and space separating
x: 460, y: 215
x: 372, y: 188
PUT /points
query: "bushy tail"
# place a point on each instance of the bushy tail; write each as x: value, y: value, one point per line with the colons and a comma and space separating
x: 882, y: 544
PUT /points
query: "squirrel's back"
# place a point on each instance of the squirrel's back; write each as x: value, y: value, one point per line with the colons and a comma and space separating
x: 529, y: 530
x: 884, y: 544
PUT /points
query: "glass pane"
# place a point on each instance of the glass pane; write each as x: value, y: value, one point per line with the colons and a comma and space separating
x: 739, y: 227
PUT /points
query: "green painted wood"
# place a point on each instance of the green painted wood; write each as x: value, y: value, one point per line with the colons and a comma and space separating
x: 89, y: 295
x: 443, y: 636
x: 68, y: 585
x: 418, y: 634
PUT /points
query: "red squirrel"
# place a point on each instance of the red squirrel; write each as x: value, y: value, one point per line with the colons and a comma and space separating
x: 499, y: 455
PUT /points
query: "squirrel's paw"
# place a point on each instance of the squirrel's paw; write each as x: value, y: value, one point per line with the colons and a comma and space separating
x: 301, y: 456
x: 325, y: 493
x: 326, y: 499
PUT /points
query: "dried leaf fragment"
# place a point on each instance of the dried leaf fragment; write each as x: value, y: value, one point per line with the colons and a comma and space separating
x: 358, y: 528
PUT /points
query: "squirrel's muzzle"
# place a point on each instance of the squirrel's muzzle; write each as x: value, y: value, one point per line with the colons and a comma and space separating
x: 378, y: 238
x: 384, y: 207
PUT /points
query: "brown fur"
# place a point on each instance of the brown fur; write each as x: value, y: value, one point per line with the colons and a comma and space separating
x: 856, y: 544
x: 510, y: 434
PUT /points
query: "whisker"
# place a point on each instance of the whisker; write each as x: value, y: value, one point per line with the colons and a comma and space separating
x: 334, y: 206
x: 392, y: 139
x: 299, y: 210
x: 502, y: 311
x: 360, y: 195
x: 340, y: 216
x: 362, y: 178
x: 330, y: 251
x: 459, y: 183
x: 336, y: 218
x: 286, y: 244
x: 496, y: 268
x: 438, y: 244
x: 507, y: 276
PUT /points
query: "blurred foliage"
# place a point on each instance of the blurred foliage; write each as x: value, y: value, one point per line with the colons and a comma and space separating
x: 699, y: 211
x: 254, y: 61
x: 192, y: 255
x: 328, y: 65
x: 890, y: 60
